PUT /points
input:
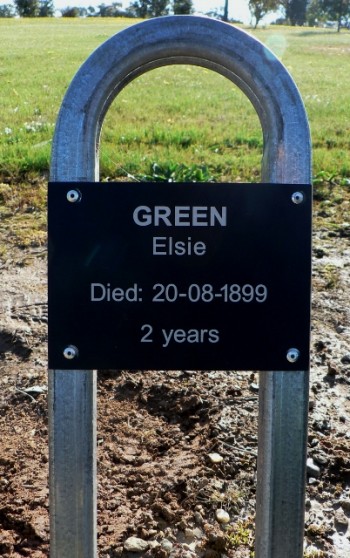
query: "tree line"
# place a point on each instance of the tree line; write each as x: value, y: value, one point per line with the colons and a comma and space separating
x: 295, y: 12
x: 304, y: 12
x: 137, y: 9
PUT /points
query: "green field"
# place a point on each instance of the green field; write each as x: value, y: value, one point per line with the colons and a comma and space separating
x: 180, y: 121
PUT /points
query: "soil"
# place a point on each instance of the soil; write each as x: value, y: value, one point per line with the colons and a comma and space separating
x: 157, y: 479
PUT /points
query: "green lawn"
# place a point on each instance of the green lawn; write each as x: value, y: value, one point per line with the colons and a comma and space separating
x: 179, y: 115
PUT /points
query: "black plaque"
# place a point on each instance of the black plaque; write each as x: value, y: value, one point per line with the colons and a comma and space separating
x: 179, y: 276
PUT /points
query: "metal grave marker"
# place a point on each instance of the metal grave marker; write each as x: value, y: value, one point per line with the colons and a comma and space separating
x: 250, y: 266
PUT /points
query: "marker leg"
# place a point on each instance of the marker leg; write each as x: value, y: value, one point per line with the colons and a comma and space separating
x: 72, y: 427
x: 282, y: 441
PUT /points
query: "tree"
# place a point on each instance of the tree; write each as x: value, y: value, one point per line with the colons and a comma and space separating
x: 337, y: 10
x: 295, y: 11
x: 314, y: 13
x: 149, y: 8
x: 225, y: 15
x: 183, y: 7
x: 70, y: 12
x: 7, y: 10
x: 46, y: 8
x: 27, y: 8
x: 113, y: 10
x: 259, y: 8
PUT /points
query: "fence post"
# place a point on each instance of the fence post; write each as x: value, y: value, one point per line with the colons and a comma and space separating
x: 286, y: 159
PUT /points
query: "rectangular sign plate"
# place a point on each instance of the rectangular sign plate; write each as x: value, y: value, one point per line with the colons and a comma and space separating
x: 179, y: 276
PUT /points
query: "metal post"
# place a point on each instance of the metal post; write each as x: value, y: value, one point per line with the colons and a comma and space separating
x: 72, y: 426
x: 72, y: 411
x: 252, y: 67
x: 281, y: 464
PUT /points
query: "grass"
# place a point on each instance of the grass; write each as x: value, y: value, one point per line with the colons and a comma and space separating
x: 193, y: 117
x: 22, y: 215
x: 179, y: 115
x: 180, y: 123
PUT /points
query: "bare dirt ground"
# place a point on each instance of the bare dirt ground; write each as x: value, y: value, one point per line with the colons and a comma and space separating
x: 157, y: 479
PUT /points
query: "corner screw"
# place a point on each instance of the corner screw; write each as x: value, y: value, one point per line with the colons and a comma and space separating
x: 297, y: 198
x: 70, y: 352
x: 73, y: 196
x: 293, y: 355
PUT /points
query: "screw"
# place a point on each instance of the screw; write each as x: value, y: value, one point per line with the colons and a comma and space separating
x: 73, y: 196
x: 297, y: 197
x: 293, y: 355
x: 70, y: 352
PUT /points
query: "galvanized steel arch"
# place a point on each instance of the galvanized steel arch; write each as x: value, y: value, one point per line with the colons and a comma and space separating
x: 183, y: 40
